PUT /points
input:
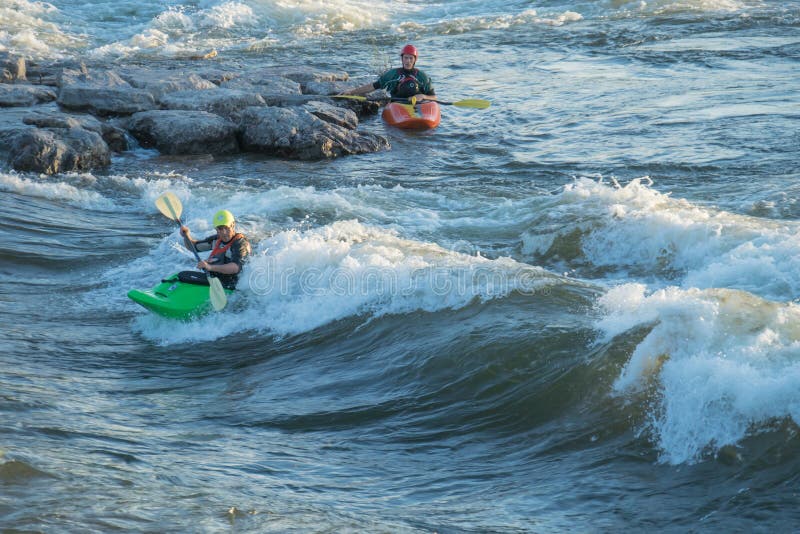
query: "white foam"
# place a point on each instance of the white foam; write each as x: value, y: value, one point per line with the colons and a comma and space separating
x: 174, y: 21
x: 718, y: 42
x: 326, y: 17
x: 469, y: 23
x: 637, y: 226
x: 55, y: 189
x: 297, y: 281
x: 725, y: 363
x: 249, y: 25
x: 149, y: 41
x: 31, y: 29
x: 662, y: 7
x: 226, y: 15
x: 182, y: 32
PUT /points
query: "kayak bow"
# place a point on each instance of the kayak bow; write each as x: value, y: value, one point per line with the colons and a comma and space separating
x: 176, y: 299
x: 422, y: 116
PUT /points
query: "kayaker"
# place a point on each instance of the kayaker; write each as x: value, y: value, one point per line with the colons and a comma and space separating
x: 229, y: 250
x: 403, y: 82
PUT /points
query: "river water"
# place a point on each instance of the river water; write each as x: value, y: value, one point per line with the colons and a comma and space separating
x: 573, y: 311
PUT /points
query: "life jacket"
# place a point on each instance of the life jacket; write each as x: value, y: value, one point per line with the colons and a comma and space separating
x: 407, y: 83
x: 219, y: 250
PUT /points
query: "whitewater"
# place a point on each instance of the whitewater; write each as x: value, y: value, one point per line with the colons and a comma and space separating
x: 577, y: 310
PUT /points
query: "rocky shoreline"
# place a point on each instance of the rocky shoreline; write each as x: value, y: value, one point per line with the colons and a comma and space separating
x: 67, y: 116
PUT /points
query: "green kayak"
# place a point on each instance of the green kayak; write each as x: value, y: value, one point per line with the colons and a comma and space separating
x: 178, y: 296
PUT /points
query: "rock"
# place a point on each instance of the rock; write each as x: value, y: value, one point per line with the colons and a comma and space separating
x: 333, y: 114
x: 24, y: 95
x: 296, y: 133
x: 48, y: 73
x: 101, y: 93
x: 204, y: 55
x: 215, y: 75
x: 11, y: 126
x: 327, y: 88
x: 113, y: 136
x: 269, y: 86
x: 159, y: 83
x: 184, y: 132
x: 299, y: 74
x: 225, y: 102
x: 12, y: 68
x: 362, y: 108
x: 59, y: 150
x: 287, y: 101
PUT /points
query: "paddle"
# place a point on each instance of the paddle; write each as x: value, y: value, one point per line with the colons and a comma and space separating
x: 474, y: 103
x: 170, y: 206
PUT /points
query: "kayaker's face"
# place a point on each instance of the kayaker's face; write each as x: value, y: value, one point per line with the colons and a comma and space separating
x: 225, y: 232
x: 408, y: 61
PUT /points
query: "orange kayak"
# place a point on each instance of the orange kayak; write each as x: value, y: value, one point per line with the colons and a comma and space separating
x: 418, y: 117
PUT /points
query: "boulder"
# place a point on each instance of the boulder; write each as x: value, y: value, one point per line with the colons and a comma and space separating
x: 333, y: 114
x: 114, y: 137
x: 24, y: 94
x: 12, y: 67
x: 361, y: 108
x: 299, y: 74
x: 58, y: 150
x: 327, y: 88
x: 296, y: 133
x: 215, y: 74
x: 49, y: 72
x: 159, y: 83
x: 101, y: 93
x: 184, y: 132
x: 11, y: 126
x: 268, y: 86
x: 224, y: 102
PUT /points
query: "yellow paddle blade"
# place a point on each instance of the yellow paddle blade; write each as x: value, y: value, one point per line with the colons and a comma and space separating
x: 475, y: 103
x: 218, y: 297
x: 170, y: 206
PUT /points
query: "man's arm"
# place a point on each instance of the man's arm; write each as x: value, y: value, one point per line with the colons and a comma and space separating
x: 188, y: 242
x: 426, y: 89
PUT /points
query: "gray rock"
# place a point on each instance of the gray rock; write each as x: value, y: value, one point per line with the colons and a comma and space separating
x: 101, y: 93
x: 159, y: 83
x: 113, y: 136
x: 49, y: 73
x: 225, y: 102
x: 59, y: 150
x: 215, y: 75
x: 11, y: 126
x: 24, y: 95
x: 184, y: 132
x: 12, y: 67
x: 361, y: 108
x: 296, y: 133
x: 327, y: 88
x: 334, y: 114
x: 269, y: 86
x: 287, y: 101
x: 300, y: 74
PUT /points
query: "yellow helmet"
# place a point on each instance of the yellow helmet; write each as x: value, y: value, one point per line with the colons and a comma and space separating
x: 223, y: 218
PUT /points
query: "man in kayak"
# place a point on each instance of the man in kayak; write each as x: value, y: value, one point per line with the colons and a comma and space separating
x: 404, y: 82
x: 229, y: 250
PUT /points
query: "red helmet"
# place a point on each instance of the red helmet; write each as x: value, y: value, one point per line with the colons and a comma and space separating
x: 409, y: 49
